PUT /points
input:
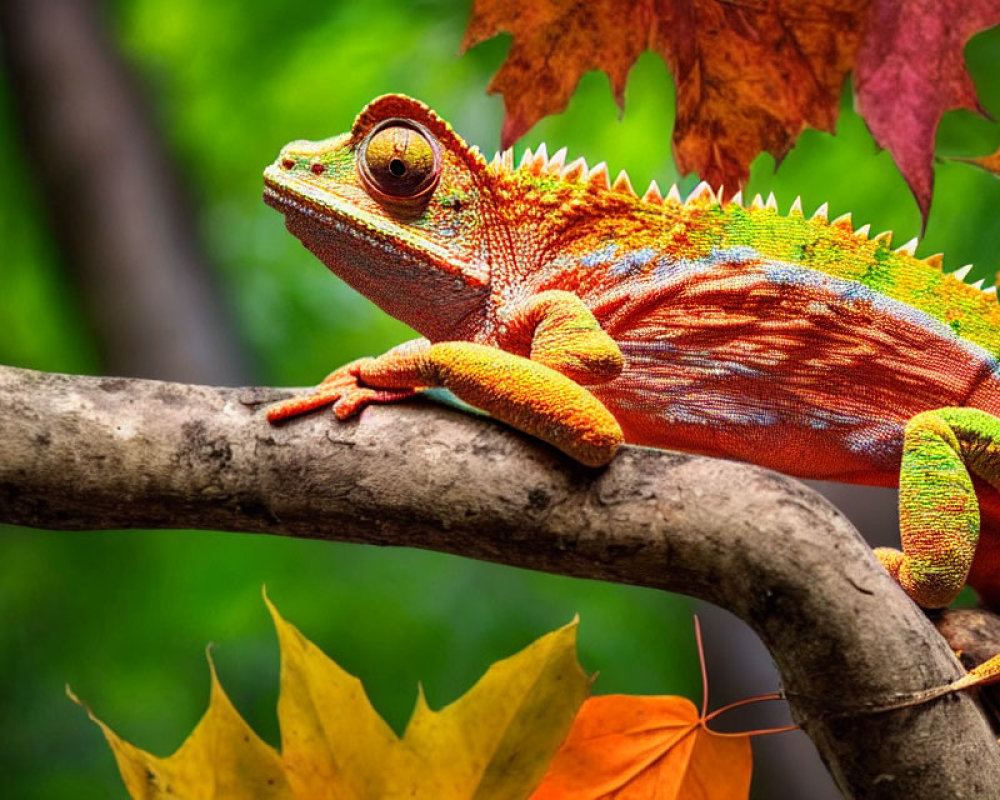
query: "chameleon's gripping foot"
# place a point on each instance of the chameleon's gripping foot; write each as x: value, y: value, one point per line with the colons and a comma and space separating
x: 341, y: 389
x: 928, y: 590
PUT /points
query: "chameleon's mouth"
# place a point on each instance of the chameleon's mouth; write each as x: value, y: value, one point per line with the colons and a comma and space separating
x: 277, y: 200
x: 285, y: 200
x: 286, y: 204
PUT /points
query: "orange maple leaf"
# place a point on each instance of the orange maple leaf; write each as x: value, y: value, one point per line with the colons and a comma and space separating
x: 990, y: 162
x: 627, y: 747
x: 750, y: 75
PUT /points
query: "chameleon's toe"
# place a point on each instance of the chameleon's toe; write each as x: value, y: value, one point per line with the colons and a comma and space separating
x: 333, y: 388
x: 891, y: 559
x: 295, y: 406
x: 354, y: 399
x: 927, y: 588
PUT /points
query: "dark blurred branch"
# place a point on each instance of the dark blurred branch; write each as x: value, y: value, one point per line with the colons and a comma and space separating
x: 83, y: 453
x: 115, y: 207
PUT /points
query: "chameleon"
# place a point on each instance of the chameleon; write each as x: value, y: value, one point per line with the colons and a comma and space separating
x: 582, y: 313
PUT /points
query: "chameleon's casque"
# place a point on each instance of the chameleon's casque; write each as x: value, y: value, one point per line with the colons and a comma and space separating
x: 572, y: 308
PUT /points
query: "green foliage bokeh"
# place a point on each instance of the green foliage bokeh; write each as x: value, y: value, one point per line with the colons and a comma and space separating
x: 123, y: 616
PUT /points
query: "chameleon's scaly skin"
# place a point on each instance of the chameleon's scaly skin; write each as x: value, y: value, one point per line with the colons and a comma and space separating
x: 583, y: 314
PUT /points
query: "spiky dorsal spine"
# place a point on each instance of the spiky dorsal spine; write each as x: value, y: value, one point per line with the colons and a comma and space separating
x: 598, y: 179
x: 653, y: 195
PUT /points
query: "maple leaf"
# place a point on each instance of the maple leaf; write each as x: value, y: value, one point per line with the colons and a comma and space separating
x: 222, y: 758
x: 750, y: 76
x: 493, y: 743
x: 627, y: 748
x: 910, y: 70
x: 624, y: 747
x: 991, y: 162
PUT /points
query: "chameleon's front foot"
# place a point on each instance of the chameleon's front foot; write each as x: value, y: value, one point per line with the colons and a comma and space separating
x: 344, y: 390
x: 529, y: 396
x: 928, y: 589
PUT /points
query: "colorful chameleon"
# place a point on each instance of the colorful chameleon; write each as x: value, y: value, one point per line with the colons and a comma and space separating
x: 575, y: 310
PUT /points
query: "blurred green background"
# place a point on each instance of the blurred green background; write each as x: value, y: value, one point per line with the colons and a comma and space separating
x: 123, y: 617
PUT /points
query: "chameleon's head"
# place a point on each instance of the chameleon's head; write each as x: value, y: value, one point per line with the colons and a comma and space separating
x: 395, y: 207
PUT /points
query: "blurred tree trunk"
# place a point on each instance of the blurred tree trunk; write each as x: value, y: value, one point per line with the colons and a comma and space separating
x: 117, y: 212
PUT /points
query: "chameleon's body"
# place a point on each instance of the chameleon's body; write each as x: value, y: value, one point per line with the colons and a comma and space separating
x: 793, y: 343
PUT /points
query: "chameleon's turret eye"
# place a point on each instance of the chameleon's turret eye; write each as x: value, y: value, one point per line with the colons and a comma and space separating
x: 399, y: 163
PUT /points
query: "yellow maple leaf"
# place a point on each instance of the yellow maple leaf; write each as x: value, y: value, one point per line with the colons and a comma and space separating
x: 222, y: 759
x: 494, y: 743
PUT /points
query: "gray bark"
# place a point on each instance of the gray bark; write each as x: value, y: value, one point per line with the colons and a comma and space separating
x: 90, y: 453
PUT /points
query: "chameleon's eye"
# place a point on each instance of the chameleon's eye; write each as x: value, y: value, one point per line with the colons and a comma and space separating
x: 400, y: 164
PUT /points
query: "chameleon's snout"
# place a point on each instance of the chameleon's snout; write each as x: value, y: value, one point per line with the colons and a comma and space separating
x: 302, y: 151
x: 303, y: 160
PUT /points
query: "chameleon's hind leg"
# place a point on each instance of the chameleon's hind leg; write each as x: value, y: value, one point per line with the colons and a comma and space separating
x: 938, y: 510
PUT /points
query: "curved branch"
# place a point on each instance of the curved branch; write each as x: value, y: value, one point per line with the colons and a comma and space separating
x: 92, y: 453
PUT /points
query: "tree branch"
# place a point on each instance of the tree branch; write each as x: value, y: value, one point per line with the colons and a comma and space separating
x: 87, y: 453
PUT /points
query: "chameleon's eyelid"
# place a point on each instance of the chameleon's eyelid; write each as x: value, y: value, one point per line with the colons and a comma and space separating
x: 393, y: 190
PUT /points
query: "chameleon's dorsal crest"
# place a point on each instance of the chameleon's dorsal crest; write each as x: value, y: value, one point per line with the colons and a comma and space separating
x: 623, y: 185
x: 556, y: 163
x: 598, y: 177
x: 843, y: 221
x: 575, y: 170
x: 653, y: 194
x: 533, y: 163
x: 703, y: 194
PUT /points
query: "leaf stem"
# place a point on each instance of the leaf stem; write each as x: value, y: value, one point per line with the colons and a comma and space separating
x: 704, y: 669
